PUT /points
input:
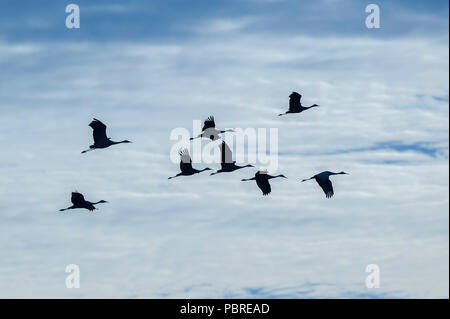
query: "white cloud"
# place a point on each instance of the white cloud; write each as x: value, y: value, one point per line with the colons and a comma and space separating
x: 223, y: 25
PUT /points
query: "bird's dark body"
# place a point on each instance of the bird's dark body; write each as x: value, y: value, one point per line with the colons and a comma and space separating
x: 227, y: 165
x: 262, y: 181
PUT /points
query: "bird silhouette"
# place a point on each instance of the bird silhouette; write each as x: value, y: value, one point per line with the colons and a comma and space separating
x: 78, y: 201
x: 227, y: 164
x: 186, y: 165
x: 323, y: 179
x: 100, y: 138
x: 262, y: 180
x: 209, y: 130
x: 295, y: 105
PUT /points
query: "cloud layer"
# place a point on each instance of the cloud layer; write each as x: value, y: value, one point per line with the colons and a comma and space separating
x: 383, y: 118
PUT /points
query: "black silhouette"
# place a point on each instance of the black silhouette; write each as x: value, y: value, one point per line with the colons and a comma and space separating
x: 323, y: 179
x: 100, y: 138
x: 262, y: 180
x: 186, y: 165
x: 227, y: 164
x: 78, y: 201
x: 295, y: 105
x: 209, y: 130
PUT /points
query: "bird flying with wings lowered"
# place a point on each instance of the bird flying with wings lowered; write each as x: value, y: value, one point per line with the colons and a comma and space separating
x: 323, y: 179
x: 262, y: 180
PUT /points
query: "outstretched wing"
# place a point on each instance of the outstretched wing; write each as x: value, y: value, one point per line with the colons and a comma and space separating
x: 327, y: 187
x: 263, y: 182
x: 294, y: 101
x: 209, y: 123
x: 99, y: 130
x: 77, y: 198
x: 227, y: 154
x: 186, y: 161
x: 264, y: 186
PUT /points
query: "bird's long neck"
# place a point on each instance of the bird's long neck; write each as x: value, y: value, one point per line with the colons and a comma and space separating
x: 307, y: 179
x: 332, y: 173
x: 308, y: 107
x: 99, y: 202
x: 239, y: 167
x: 205, y: 169
x: 224, y: 131
x: 270, y: 177
x: 124, y: 141
x: 340, y: 173
x: 248, y: 179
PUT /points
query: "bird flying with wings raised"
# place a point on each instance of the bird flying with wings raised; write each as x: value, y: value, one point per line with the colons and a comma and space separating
x: 101, y: 140
x: 78, y: 201
x: 186, y: 165
x: 295, y: 104
x: 209, y: 130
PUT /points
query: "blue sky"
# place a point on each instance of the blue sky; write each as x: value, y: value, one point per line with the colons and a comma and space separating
x: 145, y: 68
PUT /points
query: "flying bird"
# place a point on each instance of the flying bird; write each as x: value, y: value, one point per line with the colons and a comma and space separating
x: 323, y: 179
x: 209, y: 130
x: 100, y: 138
x: 186, y: 165
x: 262, y: 180
x: 227, y: 164
x: 295, y: 105
x: 78, y: 201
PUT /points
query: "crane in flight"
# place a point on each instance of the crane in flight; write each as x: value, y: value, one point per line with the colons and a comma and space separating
x: 262, y: 180
x: 209, y: 130
x: 78, y: 201
x: 323, y: 179
x: 227, y: 164
x: 101, y: 140
x: 186, y: 165
x: 295, y: 104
